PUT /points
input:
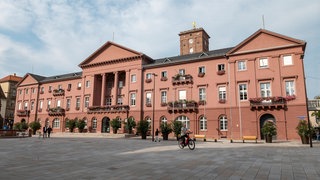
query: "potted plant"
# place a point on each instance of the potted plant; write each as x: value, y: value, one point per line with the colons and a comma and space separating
x: 71, y: 124
x: 166, y: 129
x: 176, y: 127
x: 269, y: 129
x: 304, y: 131
x: 81, y: 124
x: 131, y: 123
x: 142, y: 128
x: 35, y: 125
x: 115, y: 124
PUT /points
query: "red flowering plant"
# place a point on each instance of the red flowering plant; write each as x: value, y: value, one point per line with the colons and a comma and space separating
x: 290, y: 97
x: 256, y: 100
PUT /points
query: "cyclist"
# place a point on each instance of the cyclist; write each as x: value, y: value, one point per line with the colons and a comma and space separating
x: 184, y: 131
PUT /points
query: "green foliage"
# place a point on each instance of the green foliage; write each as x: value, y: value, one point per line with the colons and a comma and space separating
x: 35, y: 125
x: 269, y: 128
x: 131, y: 123
x: 115, y: 123
x: 303, y: 129
x: 143, y: 127
x: 81, y: 124
x: 166, y: 128
x: 21, y: 126
x: 71, y: 124
x: 177, y: 125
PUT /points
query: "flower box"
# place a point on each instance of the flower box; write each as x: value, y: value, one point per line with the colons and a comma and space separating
x: 164, y: 78
x: 201, y: 74
x: 221, y: 72
x: 148, y: 80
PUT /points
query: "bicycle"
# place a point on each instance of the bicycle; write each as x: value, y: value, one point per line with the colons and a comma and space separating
x: 188, y: 142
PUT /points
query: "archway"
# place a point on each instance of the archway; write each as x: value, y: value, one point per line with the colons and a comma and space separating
x: 263, y: 119
x: 105, y: 126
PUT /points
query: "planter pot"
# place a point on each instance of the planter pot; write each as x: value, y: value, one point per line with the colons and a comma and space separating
x: 305, y: 139
x: 115, y: 131
x: 165, y: 136
x: 143, y: 136
x: 268, y: 139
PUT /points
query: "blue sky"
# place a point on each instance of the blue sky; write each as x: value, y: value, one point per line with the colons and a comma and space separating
x: 52, y: 37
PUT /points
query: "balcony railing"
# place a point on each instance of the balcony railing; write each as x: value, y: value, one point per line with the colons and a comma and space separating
x: 182, y: 106
x: 23, y: 113
x: 108, y: 109
x: 58, y: 92
x: 314, y: 105
x: 58, y: 111
x: 182, y: 79
x: 276, y: 102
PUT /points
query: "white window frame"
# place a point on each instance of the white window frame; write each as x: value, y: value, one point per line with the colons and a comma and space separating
x: 202, y: 94
x: 202, y: 69
x: 223, y: 123
x: 148, y: 98
x: 290, y: 87
x: 203, y: 123
x: 243, y: 93
x: 133, y: 78
x: 56, y: 123
x: 222, y: 92
x: 242, y: 65
x: 184, y: 120
x: 163, y: 96
x: 94, y: 123
x: 148, y: 75
x: 68, y: 103
x: 221, y: 67
x: 108, y: 101
x: 86, y: 101
x: 87, y: 83
x: 182, y: 95
x: 263, y: 63
x: 164, y: 74
x: 265, y: 89
x: 182, y: 72
x: 287, y: 60
x: 133, y: 97
x: 78, y: 102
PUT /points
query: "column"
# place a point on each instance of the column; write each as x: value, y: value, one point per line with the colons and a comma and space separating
x: 115, y: 92
x: 103, y: 90
x: 127, y: 86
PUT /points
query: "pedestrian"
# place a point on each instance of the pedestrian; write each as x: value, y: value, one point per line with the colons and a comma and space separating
x: 318, y: 134
x: 157, y: 136
x: 49, y: 131
x: 44, y: 131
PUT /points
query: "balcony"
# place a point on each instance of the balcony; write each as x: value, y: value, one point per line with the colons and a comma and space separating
x: 58, y: 111
x: 182, y: 106
x: 314, y: 105
x: 276, y: 102
x: 58, y: 92
x: 23, y: 113
x: 221, y: 72
x: 108, y: 109
x: 182, y: 79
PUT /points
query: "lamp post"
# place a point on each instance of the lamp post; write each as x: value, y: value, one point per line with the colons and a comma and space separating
x: 153, y: 103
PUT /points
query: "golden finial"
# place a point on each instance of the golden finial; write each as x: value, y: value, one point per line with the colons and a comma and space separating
x: 194, y: 25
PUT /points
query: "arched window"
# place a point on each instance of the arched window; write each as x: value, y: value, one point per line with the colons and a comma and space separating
x: 223, y: 123
x: 163, y: 119
x: 203, y: 123
x: 47, y: 122
x: 119, y: 119
x: 86, y: 121
x: 184, y: 119
x: 148, y: 119
x: 56, y: 123
x: 94, y: 123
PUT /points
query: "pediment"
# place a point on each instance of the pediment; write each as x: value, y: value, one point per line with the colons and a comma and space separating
x: 109, y: 52
x: 264, y: 40
x: 28, y: 79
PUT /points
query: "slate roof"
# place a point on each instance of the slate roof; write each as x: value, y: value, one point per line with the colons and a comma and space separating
x: 61, y: 77
x: 188, y: 58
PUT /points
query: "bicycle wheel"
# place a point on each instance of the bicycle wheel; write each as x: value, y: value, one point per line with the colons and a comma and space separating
x: 180, y: 143
x: 191, y: 144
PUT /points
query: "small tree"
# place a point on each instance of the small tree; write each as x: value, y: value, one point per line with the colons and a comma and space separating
x: 142, y: 128
x: 177, y: 125
x: 71, y: 124
x: 166, y: 129
x: 35, y: 126
x: 81, y: 124
x: 130, y: 124
x: 115, y: 124
x: 21, y: 126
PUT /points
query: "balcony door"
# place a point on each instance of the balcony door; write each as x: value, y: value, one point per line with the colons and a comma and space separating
x: 105, y: 127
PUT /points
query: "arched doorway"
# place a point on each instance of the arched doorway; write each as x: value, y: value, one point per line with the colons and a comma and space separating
x: 105, y: 126
x: 263, y: 119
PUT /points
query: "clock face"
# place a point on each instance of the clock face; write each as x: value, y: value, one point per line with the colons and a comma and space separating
x: 190, y: 41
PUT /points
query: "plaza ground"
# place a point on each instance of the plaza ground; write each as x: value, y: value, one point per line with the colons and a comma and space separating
x: 115, y: 157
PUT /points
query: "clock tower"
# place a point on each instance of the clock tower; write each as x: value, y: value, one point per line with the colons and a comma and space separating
x: 194, y: 41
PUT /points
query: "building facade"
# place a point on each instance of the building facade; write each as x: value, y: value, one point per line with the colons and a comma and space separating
x: 223, y: 93
x: 8, y: 86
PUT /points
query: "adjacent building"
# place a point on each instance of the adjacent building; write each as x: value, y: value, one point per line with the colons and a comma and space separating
x: 222, y: 93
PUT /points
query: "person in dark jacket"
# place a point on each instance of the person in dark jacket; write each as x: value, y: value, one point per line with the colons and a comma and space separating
x: 49, y: 131
x: 44, y: 131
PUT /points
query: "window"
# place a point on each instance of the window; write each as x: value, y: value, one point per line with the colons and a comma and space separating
x: 265, y: 90
x: 87, y: 84
x: 241, y: 65
x: 68, y: 103
x: 19, y: 106
x: 59, y: 103
x: 69, y: 86
x: 133, y: 78
x: 49, y: 103
x: 86, y: 102
x: 148, y: 75
x: 41, y: 105
x: 50, y: 88
x: 184, y: 120
x: 202, y: 94
x: 243, y: 91
x: 60, y: 86
x: 182, y: 95
x: 120, y: 84
x: 191, y: 50
x: 94, y: 123
x: 56, y: 123
x: 120, y: 101
x: 42, y: 90
x: 164, y: 74
x: 20, y: 91
x: 290, y: 88
x: 163, y: 119
x: 203, y: 123
x: 148, y: 98
x: 32, y: 106
x: 221, y: 67
x: 149, y: 120
x: 132, y: 99
x: 223, y: 123
x: 79, y: 85
x: 182, y: 72
x: 33, y: 90
x: 25, y: 105
x: 163, y: 96
x: 263, y: 62
x: 27, y: 90
x: 222, y: 93
x: 287, y: 60
x: 108, y: 101
x: 202, y: 69
x: 78, y: 103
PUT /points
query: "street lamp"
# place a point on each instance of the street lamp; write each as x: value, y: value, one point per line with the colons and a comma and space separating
x: 153, y: 103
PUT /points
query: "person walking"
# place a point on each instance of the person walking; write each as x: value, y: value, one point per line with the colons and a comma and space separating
x: 44, y: 132
x: 157, y: 136
x: 49, y: 131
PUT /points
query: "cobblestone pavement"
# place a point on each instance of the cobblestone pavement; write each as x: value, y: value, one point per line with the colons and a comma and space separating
x: 133, y: 158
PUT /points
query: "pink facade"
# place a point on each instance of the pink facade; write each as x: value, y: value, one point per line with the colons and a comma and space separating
x: 224, y: 93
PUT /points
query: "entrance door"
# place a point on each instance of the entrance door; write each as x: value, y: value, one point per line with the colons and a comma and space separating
x: 105, y: 128
x: 263, y: 119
